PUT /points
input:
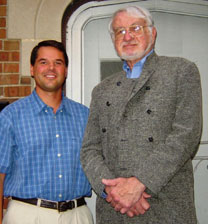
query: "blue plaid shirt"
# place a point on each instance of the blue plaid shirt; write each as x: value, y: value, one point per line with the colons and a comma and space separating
x: 40, y: 150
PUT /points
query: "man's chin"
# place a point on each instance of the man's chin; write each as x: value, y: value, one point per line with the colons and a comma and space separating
x: 132, y: 57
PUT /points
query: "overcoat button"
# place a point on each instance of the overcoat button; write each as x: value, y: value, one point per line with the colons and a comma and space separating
x: 103, y: 130
x: 147, y: 87
x: 149, y: 111
x: 125, y: 115
x: 150, y: 139
x: 118, y: 83
x: 108, y: 104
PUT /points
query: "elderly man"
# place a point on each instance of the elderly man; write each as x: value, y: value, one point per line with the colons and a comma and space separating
x: 143, y: 130
x: 41, y: 138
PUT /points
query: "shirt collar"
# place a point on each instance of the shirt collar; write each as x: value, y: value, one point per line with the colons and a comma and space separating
x: 137, y: 69
x: 38, y: 105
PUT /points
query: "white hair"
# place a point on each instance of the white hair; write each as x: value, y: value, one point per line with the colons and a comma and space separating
x: 135, y: 11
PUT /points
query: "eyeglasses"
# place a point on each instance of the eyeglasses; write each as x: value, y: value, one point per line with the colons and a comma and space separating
x: 134, y: 30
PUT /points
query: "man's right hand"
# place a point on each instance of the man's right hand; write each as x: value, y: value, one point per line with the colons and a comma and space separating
x: 136, y: 208
x: 140, y: 207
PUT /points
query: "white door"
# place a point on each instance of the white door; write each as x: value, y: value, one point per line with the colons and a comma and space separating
x: 182, y: 31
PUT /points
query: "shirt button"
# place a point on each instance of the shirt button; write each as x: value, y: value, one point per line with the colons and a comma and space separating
x: 150, y: 139
x: 57, y: 135
x: 59, y: 154
x: 46, y: 111
x: 60, y: 195
x: 60, y: 176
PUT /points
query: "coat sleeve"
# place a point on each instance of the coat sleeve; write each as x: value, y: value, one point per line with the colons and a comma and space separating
x: 182, y: 141
x: 92, y: 158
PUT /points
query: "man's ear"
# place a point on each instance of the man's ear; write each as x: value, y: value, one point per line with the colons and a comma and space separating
x: 154, y: 33
x: 66, y: 72
x: 31, y: 71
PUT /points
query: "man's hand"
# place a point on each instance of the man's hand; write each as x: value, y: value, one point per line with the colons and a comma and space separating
x: 140, y: 207
x: 124, y: 194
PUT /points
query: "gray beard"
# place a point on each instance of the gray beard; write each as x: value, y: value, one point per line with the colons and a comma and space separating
x: 136, y: 55
x: 132, y: 57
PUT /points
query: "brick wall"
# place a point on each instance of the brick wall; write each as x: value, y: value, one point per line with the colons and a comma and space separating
x: 12, y: 85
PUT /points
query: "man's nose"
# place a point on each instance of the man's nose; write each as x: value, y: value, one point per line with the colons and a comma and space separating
x: 51, y: 66
x: 127, y: 36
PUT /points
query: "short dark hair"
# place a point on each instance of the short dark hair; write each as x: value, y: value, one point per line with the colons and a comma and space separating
x: 48, y: 43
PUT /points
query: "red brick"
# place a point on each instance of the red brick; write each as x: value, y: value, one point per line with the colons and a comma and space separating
x: 2, y: 22
x: 2, y: 10
x: 14, y: 56
x: 2, y: 33
x: 0, y: 44
x: 9, y: 79
x: 25, y: 80
x: 11, y: 45
x: 24, y: 91
x: 4, y: 56
x: 9, y: 56
x: 1, y: 91
x: 11, y: 68
x: 3, y: 2
x: 1, y: 67
x: 17, y: 91
x: 11, y: 91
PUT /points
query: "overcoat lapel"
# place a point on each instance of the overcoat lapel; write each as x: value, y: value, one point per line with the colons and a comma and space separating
x: 130, y: 87
x: 146, y: 74
x: 125, y: 90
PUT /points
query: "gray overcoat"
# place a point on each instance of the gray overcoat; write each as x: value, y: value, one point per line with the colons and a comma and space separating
x: 149, y: 128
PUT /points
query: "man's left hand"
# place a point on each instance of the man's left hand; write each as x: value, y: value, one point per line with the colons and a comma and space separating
x: 124, y: 192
